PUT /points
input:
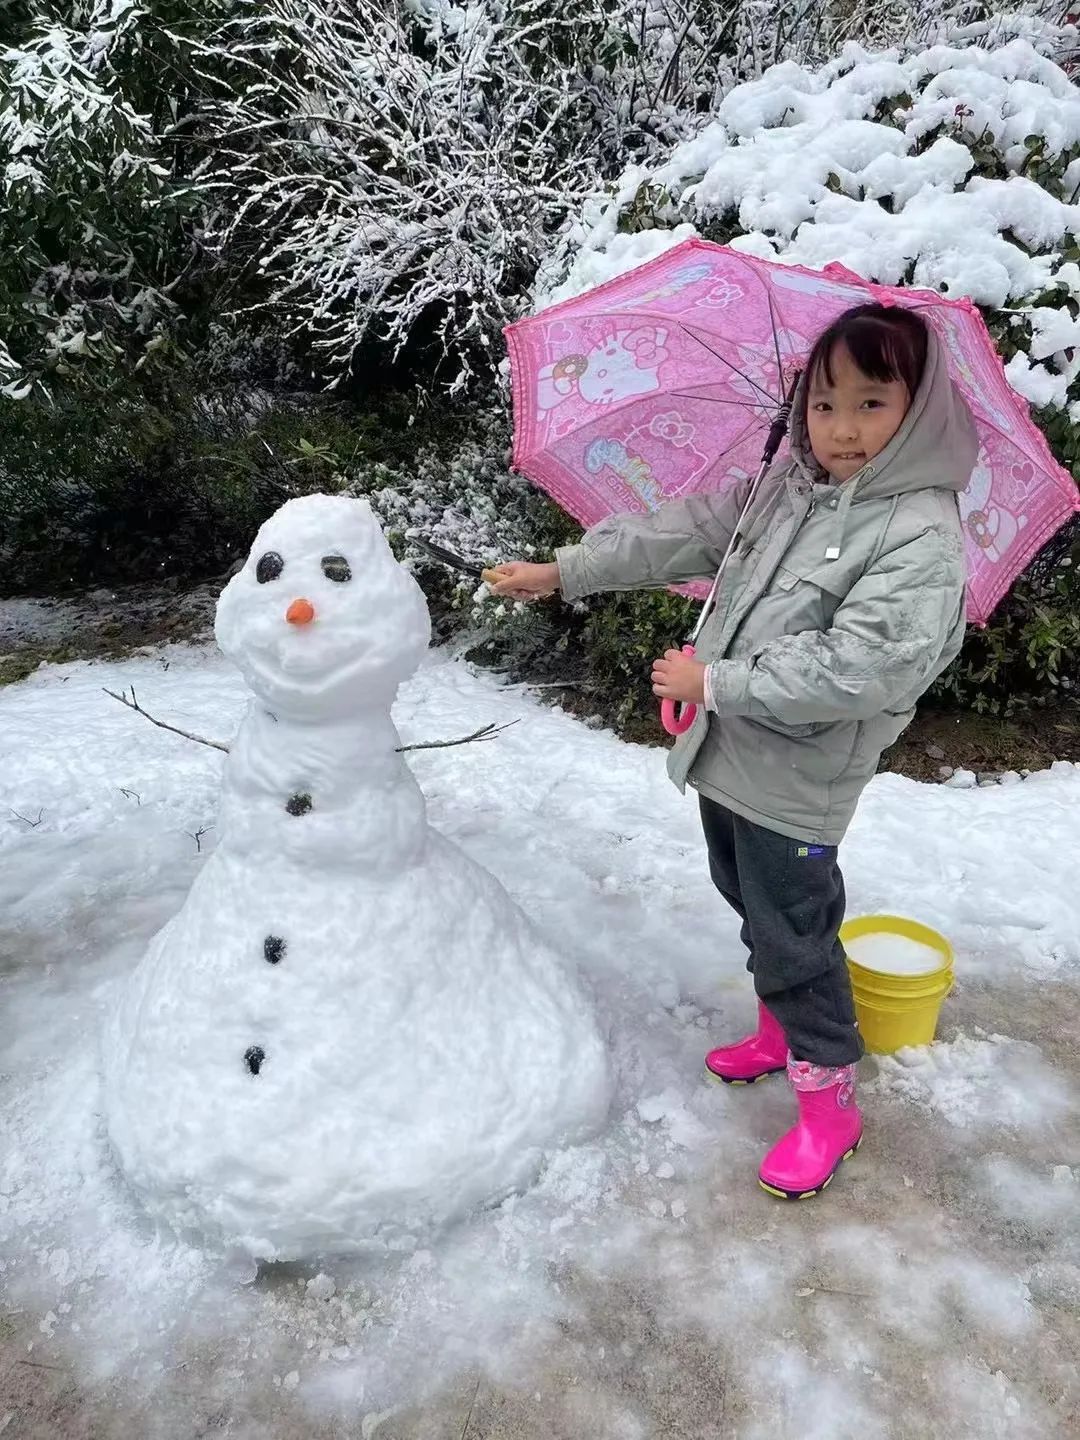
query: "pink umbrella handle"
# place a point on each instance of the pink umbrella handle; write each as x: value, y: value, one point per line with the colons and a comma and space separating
x: 677, y: 718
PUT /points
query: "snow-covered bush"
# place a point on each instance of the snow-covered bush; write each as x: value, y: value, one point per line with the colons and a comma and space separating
x: 456, y: 490
x: 395, y: 173
x: 373, y: 176
x: 951, y: 168
x: 391, y: 173
x: 96, y: 227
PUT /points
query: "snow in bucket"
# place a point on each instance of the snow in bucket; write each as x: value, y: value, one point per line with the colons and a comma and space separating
x: 893, y: 954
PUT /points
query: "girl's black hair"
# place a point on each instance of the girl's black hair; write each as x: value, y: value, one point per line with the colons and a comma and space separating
x: 886, y: 342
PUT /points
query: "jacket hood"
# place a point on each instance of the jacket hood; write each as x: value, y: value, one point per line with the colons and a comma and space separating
x: 936, y: 446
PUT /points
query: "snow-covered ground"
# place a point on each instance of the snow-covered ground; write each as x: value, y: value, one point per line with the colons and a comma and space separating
x: 645, y: 1287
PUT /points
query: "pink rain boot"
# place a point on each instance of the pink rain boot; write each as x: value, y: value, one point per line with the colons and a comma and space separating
x: 828, y: 1132
x: 753, y: 1058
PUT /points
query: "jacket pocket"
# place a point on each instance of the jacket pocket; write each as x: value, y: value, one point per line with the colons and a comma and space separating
x: 820, y: 752
x: 827, y: 580
x: 822, y: 749
x: 884, y: 730
x: 793, y: 732
x: 800, y: 596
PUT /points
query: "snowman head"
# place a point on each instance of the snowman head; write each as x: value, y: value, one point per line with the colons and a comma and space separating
x: 322, y: 619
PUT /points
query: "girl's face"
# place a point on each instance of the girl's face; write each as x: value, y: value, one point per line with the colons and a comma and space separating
x: 854, y: 418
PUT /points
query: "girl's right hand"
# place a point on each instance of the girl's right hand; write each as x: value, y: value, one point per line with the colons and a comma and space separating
x: 522, y: 581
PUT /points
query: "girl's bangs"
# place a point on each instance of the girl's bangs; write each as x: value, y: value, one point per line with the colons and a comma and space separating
x: 885, y: 344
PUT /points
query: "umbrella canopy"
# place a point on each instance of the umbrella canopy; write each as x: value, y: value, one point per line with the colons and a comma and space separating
x: 665, y: 380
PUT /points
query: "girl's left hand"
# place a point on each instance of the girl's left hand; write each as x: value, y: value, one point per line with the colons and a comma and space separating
x: 679, y: 677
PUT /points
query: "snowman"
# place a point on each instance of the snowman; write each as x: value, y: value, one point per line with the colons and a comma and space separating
x: 349, y: 1035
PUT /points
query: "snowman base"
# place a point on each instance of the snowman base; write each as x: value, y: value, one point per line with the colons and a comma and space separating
x: 349, y: 1036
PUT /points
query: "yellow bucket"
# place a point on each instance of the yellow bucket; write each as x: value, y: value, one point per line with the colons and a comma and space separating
x: 897, y: 1007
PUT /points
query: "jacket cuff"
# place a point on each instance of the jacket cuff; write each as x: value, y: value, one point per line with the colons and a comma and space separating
x: 727, y: 688
x: 573, y: 583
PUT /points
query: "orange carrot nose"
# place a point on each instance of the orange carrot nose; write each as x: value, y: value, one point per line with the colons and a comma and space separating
x: 300, y: 612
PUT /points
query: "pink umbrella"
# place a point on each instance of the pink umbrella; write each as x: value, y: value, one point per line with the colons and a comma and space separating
x: 666, y: 381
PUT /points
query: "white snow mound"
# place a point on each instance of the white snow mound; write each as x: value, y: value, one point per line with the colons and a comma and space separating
x: 349, y: 1034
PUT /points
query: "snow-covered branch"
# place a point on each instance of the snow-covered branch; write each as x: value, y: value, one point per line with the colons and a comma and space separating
x: 367, y: 178
x: 396, y: 176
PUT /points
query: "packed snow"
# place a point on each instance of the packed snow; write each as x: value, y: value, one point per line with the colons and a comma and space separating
x: 892, y: 954
x: 349, y: 1035
x: 980, y: 1080
x: 643, y: 1269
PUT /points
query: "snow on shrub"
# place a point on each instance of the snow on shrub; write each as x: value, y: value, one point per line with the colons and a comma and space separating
x: 376, y: 177
x: 94, y: 226
x: 954, y: 168
x: 395, y: 173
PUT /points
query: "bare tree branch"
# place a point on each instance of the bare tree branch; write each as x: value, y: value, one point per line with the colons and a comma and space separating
x: 133, y: 704
x: 32, y: 823
x: 487, y: 732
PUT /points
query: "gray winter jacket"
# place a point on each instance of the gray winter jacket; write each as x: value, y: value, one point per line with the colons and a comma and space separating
x: 841, y: 604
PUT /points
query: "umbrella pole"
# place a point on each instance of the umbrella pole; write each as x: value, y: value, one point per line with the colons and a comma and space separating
x: 675, y: 718
x: 777, y: 431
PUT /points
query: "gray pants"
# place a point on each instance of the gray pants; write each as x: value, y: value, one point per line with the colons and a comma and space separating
x: 790, y: 898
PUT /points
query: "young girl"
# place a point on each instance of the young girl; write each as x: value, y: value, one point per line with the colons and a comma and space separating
x: 842, y: 601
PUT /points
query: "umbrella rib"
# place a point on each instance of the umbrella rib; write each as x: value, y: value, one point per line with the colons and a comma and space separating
x: 725, y: 361
x: 742, y: 435
x: 775, y: 341
x: 719, y: 400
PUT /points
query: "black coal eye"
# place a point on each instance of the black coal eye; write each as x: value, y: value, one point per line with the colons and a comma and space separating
x: 336, y: 567
x: 269, y: 567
